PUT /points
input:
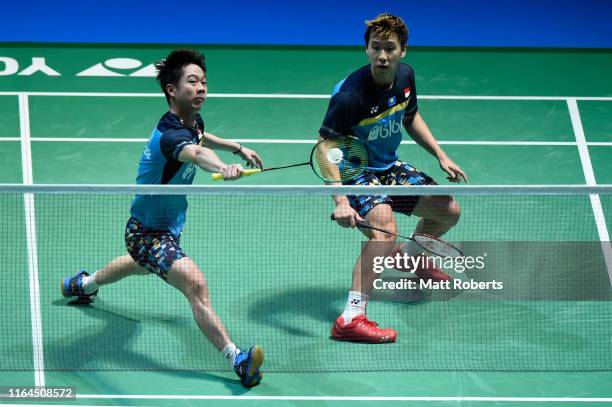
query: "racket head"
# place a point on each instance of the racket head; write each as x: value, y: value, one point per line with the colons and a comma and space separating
x: 350, y: 158
x: 436, y: 246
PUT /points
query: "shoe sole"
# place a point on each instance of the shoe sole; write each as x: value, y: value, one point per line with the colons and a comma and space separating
x: 349, y: 338
x: 257, y: 358
x: 63, y: 288
x: 80, y: 300
x: 66, y: 284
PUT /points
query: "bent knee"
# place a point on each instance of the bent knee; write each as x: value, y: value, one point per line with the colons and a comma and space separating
x: 197, y: 288
x: 194, y: 287
x: 442, y: 209
x: 453, y: 212
x: 382, y: 218
x: 449, y: 211
x: 381, y: 236
x: 388, y: 225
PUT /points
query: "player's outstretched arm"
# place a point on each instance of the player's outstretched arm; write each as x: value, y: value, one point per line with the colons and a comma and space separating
x: 207, y: 160
x: 419, y: 131
x: 217, y: 143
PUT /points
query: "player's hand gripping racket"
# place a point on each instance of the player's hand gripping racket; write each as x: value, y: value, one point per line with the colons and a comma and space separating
x: 426, y: 242
x: 332, y: 160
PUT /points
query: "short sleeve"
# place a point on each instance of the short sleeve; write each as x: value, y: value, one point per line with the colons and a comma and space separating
x: 412, y: 106
x: 173, y: 142
x: 340, y: 116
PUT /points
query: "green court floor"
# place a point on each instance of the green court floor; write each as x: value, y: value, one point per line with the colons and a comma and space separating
x: 503, y: 115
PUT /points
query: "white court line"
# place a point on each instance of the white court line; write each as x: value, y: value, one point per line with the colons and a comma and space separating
x: 30, y: 226
x: 505, y: 143
x: 485, y: 97
x: 366, y: 399
x: 589, y: 176
x: 93, y: 139
x: 304, y: 96
x: 88, y: 94
x: 349, y: 398
x: 442, y: 142
x: 310, y: 141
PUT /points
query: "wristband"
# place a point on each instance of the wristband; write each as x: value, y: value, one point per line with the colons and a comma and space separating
x: 239, y: 150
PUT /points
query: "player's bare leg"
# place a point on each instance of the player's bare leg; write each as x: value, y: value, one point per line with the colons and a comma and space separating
x: 438, y: 214
x: 118, y: 269
x: 187, y: 277
x: 353, y: 324
x: 84, y: 286
x: 379, y: 244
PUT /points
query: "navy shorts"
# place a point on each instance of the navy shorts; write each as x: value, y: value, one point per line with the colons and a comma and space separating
x: 152, y: 249
x: 400, y: 173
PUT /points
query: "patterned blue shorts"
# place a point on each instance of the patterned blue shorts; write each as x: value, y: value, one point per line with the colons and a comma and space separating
x: 400, y: 173
x: 152, y: 249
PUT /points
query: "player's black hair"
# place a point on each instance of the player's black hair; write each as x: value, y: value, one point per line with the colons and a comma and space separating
x: 170, y: 70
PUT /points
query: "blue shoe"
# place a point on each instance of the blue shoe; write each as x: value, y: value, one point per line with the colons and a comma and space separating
x: 73, y: 287
x: 247, y: 366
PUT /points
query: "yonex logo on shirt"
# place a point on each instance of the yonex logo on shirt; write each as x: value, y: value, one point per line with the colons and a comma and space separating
x: 147, y: 152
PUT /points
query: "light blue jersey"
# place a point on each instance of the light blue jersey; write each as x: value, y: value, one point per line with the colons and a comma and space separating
x: 159, y: 164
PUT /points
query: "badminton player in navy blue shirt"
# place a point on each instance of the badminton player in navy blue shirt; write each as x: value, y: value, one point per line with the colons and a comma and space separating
x: 373, y: 104
x: 177, y: 147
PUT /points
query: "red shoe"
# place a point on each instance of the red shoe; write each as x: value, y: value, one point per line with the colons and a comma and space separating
x: 361, y: 329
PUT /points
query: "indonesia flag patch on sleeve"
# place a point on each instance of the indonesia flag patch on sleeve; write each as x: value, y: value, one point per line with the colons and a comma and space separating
x: 407, y: 93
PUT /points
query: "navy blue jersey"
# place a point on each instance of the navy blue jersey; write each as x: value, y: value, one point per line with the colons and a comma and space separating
x: 159, y: 164
x: 373, y: 115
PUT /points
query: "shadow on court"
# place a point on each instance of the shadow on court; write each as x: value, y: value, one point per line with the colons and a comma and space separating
x: 115, y: 344
x: 457, y: 334
x: 301, y: 310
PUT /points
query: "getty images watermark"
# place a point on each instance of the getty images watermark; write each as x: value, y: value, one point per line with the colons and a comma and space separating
x: 495, y: 270
x: 422, y: 265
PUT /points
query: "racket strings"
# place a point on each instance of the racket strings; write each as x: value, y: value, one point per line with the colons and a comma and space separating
x: 340, y: 159
x: 436, y: 246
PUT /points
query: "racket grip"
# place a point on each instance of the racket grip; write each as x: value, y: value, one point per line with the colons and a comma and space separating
x: 359, y: 223
x: 217, y: 176
x: 251, y: 171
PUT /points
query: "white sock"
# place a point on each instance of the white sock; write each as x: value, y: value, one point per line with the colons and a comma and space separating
x: 230, y: 351
x: 89, y: 284
x: 355, y: 305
